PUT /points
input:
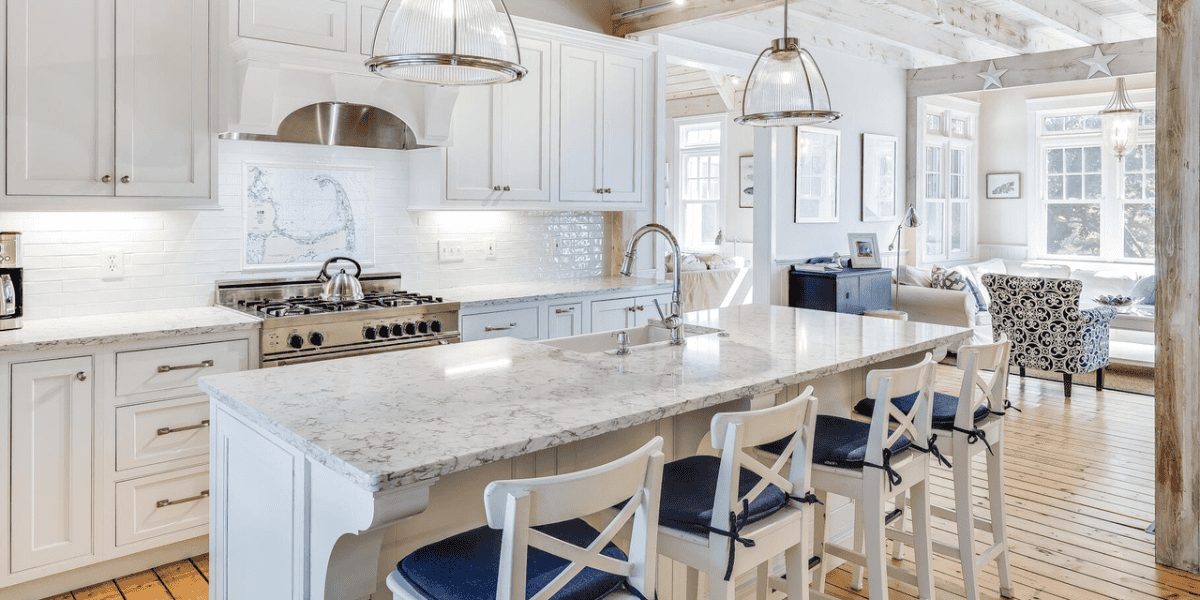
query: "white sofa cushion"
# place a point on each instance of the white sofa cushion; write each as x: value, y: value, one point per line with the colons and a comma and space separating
x: 914, y: 276
x: 1025, y: 269
x: 1105, y: 282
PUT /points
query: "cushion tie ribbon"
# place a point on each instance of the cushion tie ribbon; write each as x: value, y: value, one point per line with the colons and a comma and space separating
x: 1008, y: 405
x: 975, y: 435
x: 894, y: 478
x: 933, y: 449
x: 736, y: 522
x: 809, y: 498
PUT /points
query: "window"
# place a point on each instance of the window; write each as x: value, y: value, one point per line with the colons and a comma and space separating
x: 1093, y: 206
x: 948, y: 185
x: 700, y: 187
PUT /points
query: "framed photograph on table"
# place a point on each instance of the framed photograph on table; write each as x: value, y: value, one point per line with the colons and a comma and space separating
x: 1003, y: 185
x: 746, y: 182
x: 817, y: 164
x: 864, y: 251
x: 878, y: 177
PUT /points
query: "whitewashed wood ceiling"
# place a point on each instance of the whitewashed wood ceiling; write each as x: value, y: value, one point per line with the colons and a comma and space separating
x: 902, y: 33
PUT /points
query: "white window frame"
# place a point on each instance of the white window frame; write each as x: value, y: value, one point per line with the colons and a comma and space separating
x: 947, y: 141
x: 680, y: 174
x: 1112, y: 202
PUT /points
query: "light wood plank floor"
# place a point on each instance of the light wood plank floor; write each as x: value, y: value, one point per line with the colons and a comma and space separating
x: 1080, y: 494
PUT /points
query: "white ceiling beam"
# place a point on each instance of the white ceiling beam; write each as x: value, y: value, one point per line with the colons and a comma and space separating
x: 680, y: 15
x: 1134, y: 58
x: 968, y: 19
x: 1071, y: 18
x: 833, y: 37
x: 1147, y: 8
x: 724, y: 89
x: 705, y: 56
x: 888, y: 26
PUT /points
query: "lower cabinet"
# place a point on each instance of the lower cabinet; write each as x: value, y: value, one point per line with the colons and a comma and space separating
x: 564, y: 320
x: 521, y: 323
x: 156, y: 505
x: 620, y: 313
x: 561, y: 317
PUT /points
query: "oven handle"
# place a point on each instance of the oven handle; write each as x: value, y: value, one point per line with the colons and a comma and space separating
x: 297, y: 360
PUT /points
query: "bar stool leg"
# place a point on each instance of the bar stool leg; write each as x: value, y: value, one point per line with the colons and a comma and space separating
x: 856, y: 571
x: 820, y: 533
x: 922, y: 539
x: 796, y: 561
x: 995, y: 468
x: 897, y: 545
x: 719, y: 589
x: 871, y: 516
x: 693, y: 584
x: 761, y: 583
x: 963, y: 501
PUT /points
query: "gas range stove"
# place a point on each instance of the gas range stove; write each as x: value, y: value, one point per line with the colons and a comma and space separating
x: 300, y: 327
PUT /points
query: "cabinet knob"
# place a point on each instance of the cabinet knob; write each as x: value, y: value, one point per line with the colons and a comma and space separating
x: 497, y: 188
x: 126, y: 179
x: 607, y: 190
x: 106, y: 179
x: 81, y: 376
x: 508, y: 188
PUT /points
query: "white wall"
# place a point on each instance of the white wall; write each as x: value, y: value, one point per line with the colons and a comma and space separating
x: 737, y: 223
x: 591, y: 15
x: 1004, y: 147
x: 172, y: 259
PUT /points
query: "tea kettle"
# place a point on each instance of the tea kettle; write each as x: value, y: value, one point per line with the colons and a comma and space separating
x: 342, y: 287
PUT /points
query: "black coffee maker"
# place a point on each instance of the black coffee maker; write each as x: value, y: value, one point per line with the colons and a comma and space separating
x: 12, y: 301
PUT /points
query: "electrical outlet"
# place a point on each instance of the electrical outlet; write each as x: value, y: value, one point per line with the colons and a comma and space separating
x: 555, y: 246
x: 450, y: 251
x: 112, y: 263
x: 489, y: 248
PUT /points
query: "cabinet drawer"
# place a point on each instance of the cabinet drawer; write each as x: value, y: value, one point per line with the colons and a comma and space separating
x: 152, y: 506
x: 312, y: 23
x: 520, y: 323
x: 158, y: 432
x: 179, y: 366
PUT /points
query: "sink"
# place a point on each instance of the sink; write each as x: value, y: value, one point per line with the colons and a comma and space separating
x: 606, y: 341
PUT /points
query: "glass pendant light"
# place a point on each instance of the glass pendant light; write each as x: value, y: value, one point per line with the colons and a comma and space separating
x: 1119, y: 121
x: 786, y: 88
x: 449, y: 42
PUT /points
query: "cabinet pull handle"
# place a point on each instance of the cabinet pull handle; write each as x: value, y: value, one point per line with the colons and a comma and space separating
x: 106, y: 179
x: 496, y: 188
x: 641, y: 308
x: 490, y: 328
x: 169, y: 430
x: 563, y: 311
x: 607, y: 190
x: 165, y: 503
x: 126, y: 179
x: 81, y: 376
x: 169, y: 368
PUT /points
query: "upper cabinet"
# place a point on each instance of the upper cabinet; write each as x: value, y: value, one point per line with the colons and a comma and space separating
x: 108, y: 98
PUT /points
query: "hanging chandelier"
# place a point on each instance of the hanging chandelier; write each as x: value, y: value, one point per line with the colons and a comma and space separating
x: 1119, y: 121
x: 785, y: 87
x: 449, y: 42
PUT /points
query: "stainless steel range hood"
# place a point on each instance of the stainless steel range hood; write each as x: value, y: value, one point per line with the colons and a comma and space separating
x: 340, y: 124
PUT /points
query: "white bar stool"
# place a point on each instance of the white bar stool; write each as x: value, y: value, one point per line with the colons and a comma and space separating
x: 536, y: 542
x: 727, y: 515
x: 975, y: 421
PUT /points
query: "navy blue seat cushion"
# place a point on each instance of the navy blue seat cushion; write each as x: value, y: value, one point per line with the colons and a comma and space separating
x: 839, y: 442
x: 945, y: 407
x: 688, y: 487
x: 467, y: 566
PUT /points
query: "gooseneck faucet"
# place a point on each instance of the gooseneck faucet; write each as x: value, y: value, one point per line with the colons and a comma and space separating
x: 674, y: 322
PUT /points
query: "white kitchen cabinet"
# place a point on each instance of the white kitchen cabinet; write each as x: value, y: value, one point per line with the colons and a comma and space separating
x: 602, y: 107
x: 520, y: 323
x: 51, y: 494
x: 500, y: 148
x: 564, y: 320
x: 311, y: 23
x: 108, y: 98
x: 620, y: 313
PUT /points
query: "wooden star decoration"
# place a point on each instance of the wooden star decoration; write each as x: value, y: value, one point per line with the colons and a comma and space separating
x: 992, y: 76
x: 1098, y: 63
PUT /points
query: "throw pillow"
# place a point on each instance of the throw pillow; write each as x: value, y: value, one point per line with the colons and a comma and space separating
x: 945, y: 279
x: 914, y: 276
x: 972, y: 286
x: 1144, y: 288
x: 978, y: 270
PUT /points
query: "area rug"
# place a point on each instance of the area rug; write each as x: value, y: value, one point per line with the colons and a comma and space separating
x: 1125, y: 378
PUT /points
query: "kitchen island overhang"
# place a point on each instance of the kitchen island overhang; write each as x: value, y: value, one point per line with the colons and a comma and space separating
x: 360, y: 440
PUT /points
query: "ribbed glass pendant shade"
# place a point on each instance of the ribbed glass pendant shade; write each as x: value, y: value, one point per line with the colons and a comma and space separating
x: 1119, y: 120
x: 786, y: 89
x: 450, y: 42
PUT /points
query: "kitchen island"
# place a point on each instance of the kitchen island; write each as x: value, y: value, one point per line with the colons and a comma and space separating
x: 312, y: 464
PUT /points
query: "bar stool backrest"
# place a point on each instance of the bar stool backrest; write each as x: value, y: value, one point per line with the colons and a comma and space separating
x: 733, y: 433
x: 516, y: 506
x: 978, y: 386
x: 916, y: 423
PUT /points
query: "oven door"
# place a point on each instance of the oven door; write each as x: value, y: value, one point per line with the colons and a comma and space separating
x: 309, y: 358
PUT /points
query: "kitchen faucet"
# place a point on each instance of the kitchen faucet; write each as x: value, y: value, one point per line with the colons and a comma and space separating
x: 675, y: 321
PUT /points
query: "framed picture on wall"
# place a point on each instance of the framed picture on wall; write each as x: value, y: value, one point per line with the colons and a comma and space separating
x: 746, y: 182
x: 817, y: 168
x: 864, y: 251
x: 878, y: 177
x: 1003, y: 185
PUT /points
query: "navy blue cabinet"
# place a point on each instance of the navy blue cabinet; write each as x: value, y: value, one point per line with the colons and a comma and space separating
x: 847, y: 291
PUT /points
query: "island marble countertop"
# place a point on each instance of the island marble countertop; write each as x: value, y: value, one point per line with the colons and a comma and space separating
x: 464, y: 405
x: 535, y: 291
x: 75, y: 332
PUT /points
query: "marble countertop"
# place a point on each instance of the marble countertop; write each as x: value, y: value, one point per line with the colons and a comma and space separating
x: 75, y: 332
x: 534, y: 291
x: 465, y: 405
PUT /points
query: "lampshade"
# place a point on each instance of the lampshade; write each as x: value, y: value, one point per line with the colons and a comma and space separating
x: 1119, y: 121
x: 786, y: 88
x: 449, y: 42
x: 910, y: 219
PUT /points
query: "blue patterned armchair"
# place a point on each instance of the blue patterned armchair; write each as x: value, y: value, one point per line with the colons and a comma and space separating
x: 1048, y: 331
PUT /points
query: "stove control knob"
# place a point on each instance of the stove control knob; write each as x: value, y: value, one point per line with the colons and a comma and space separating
x: 397, y: 330
x: 316, y: 338
x: 410, y: 329
x: 384, y: 332
x: 296, y: 341
x: 423, y: 327
x: 435, y: 326
x: 369, y: 333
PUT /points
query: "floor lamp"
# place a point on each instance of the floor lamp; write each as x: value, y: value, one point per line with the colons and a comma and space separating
x: 910, y: 221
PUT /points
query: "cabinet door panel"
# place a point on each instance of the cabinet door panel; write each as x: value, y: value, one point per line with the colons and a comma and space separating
x: 162, y: 98
x: 580, y: 124
x: 470, y: 159
x: 60, y: 97
x: 623, y: 128
x: 565, y: 320
x: 524, y: 123
x: 608, y: 315
x: 52, y: 462
x: 312, y: 23
x: 644, y: 308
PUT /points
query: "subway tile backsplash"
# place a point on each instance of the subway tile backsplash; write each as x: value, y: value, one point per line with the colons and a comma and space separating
x: 173, y: 259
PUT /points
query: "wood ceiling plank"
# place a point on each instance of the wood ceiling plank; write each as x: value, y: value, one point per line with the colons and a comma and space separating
x: 679, y: 15
x: 818, y: 34
x: 889, y: 27
x: 1071, y: 18
x: 968, y: 18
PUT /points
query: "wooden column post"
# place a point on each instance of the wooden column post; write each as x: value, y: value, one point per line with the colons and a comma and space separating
x: 1177, y: 328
